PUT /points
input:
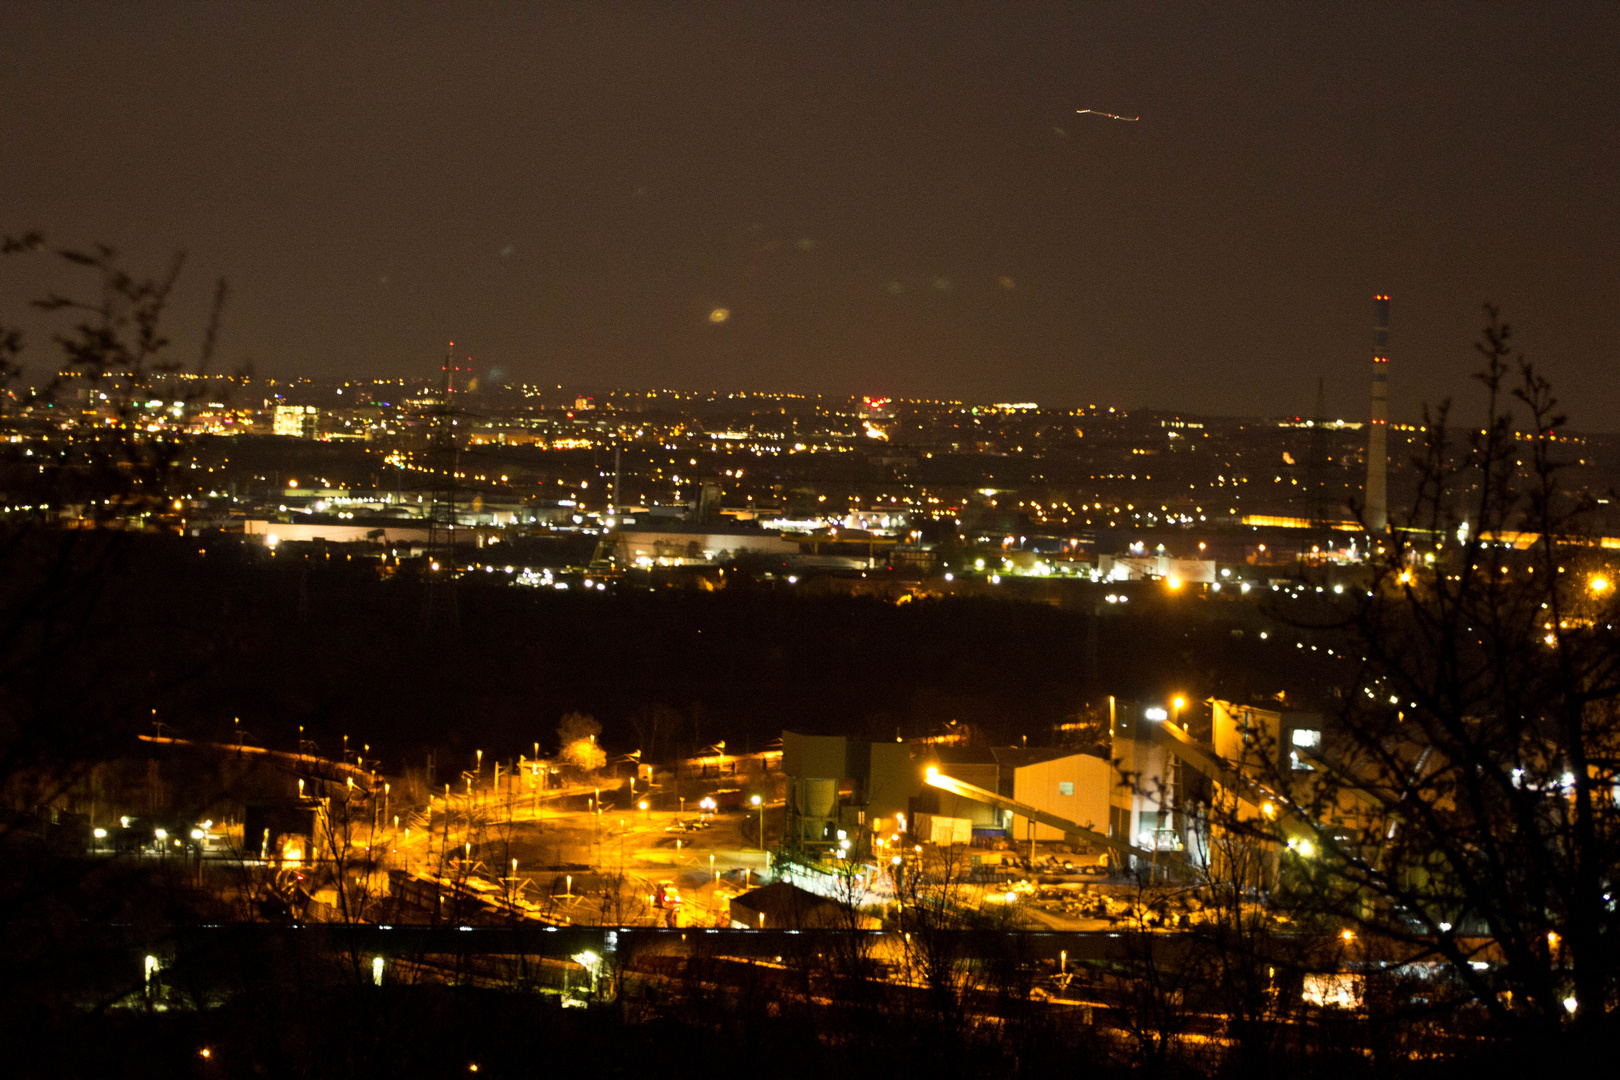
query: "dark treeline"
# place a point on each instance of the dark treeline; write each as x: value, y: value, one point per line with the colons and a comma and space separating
x: 317, y: 639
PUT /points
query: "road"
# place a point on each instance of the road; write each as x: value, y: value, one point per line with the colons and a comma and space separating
x: 582, y: 865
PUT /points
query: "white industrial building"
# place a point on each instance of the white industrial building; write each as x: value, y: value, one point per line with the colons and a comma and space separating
x: 677, y: 544
x: 1139, y: 567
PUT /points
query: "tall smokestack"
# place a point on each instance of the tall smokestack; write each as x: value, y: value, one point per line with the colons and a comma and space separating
x: 1378, y: 429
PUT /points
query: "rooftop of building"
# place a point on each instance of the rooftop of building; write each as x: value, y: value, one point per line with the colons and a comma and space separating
x: 1016, y: 757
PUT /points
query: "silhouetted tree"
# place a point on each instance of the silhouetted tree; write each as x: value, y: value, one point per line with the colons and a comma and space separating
x: 1466, y: 807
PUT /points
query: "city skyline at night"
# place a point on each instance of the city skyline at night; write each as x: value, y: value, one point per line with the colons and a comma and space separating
x: 889, y: 201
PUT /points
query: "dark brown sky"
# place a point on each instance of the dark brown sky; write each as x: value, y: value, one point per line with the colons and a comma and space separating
x: 889, y: 199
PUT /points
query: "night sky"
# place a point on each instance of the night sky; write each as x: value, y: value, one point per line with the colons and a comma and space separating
x: 895, y: 199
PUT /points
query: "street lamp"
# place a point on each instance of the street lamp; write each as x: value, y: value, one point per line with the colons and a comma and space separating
x: 591, y: 963
x: 444, y: 848
x: 759, y: 804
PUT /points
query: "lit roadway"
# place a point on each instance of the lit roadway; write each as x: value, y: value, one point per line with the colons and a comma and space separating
x: 573, y: 862
x: 584, y: 867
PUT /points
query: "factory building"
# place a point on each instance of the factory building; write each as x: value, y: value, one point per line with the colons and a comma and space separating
x: 1144, y: 812
x: 1058, y: 780
x: 678, y: 543
x: 1266, y: 745
x: 838, y: 785
x: 1145, y: 802
x: 841, y: 791
x: 1139, y: 567
x: 784, y: 906
x: 295, y: 421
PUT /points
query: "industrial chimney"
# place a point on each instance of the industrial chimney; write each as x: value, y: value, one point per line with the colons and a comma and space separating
x: 1378, y: 429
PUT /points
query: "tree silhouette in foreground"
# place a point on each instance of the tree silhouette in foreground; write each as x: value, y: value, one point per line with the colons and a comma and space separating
x: 1466, y: 808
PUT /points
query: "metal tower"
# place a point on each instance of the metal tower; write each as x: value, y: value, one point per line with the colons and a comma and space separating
x: 1378, y: 428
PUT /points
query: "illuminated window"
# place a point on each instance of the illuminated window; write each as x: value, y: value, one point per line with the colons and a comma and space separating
x: 1065, y: 787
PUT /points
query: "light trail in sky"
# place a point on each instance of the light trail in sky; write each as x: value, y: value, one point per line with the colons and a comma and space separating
x: 1109, y: 115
